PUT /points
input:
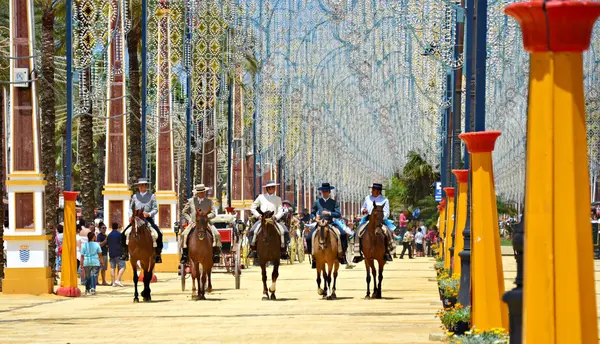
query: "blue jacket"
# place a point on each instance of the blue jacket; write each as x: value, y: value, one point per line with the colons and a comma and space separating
x: 330, y: 205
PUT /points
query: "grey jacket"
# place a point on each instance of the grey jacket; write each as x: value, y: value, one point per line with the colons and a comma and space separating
x: 147, y: 202
x: 189, y: 210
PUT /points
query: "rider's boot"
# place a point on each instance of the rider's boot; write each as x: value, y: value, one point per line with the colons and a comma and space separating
x: 216, y: 254
x: 342, y: 258
x: 157, y: 258
x: 252, y: 252
x: 314, y: 263
x: 387, y: 257
x: 125, y: 255
x: 184, y: 256
x: 359, y: 258
x: 284, y: 254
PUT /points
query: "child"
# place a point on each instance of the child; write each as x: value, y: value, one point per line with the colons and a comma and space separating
x: 91, y: 261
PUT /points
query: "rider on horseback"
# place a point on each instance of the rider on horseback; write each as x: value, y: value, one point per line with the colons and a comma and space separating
x: 146, y: 201
x: 267, y: 202
x: 378, y: 199
x: 329, y: 208
x: 199, y: 201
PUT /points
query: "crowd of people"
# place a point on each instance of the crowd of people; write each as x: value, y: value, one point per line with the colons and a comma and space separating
x: 96, y: 252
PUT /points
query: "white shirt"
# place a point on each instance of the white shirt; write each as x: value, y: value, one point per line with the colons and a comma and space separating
x: 380, y: 200
x: 266, y: 202
x: 419, y: 238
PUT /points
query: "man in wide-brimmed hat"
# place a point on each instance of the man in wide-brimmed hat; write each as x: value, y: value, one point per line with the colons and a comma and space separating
x: 199, y: 201
x: 376, y: 198
x: 267, y: 201
x: 146, y: 201
x: 329, y: 208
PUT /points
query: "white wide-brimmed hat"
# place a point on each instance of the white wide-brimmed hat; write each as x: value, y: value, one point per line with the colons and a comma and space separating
x: 142, y: 181
x: 200, y: 188
x: 270, y: 183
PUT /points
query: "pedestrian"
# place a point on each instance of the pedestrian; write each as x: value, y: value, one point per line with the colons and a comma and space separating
x: 430, y: 239
x: 402, y: 222
x: 101, y: 239
x: 419, y: 242
x: 59, y: 242
x: 406, y: 245
x: 115, y: 251
x: 91, y: 260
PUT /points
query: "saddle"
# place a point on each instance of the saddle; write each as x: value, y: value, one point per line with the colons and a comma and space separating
x: 138, y: 223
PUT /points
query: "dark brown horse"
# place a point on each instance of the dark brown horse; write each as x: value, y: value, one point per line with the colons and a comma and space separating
x: 200, y: 248
x: 325, y: 248
x: 373, y: 246
x: 268, y: 247
x: 141, y: 249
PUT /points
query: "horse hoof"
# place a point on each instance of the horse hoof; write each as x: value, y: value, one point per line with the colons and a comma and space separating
x: 367, y: 297
x: 320, y: 291
x: 329, y: 297
x: 273, y: 297
x: 333, y: 296
x: 265, y: 298
x: 147, y: 299
x: 135, y: 300
x: 209, y: 290
x: 202, y: 297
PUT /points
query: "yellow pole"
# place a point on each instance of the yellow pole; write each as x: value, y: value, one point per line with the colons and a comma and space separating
x: 68, y: 278
x: 559, y: 300
x: 442, y: 228
x: 462, y: 177
x: 449, y: 227
x: 487, y: 278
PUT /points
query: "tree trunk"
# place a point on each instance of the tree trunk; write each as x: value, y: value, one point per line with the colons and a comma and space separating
x: 2, y: 178
x: 134, y: 125
x: 101, y: 144
x: 47, y: 102
x: 86, y: 154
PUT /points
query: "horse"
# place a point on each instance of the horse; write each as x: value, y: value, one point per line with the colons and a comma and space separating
x: 200, y: 250
x: 268, y: 244
x: 325, y: 248
x: 141, y: 249
x: 373, y: 247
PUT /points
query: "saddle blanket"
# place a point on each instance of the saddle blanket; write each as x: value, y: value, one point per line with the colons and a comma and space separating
x: 363, y: 227
x: 140, y: 222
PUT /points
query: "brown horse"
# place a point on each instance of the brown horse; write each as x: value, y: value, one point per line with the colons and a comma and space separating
x: 268, y: 247
x: 325, y: 248
x: 141, y: 249
x: 373, y: 246
x: 201, y: 248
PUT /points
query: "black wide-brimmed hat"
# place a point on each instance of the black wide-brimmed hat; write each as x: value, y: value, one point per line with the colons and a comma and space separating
x: 376, y: 186
x: 326, y: 187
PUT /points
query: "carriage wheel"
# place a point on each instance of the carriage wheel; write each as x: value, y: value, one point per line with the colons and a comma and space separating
x: 237, y: 266
x: 182, y: 273
x: 300, y: 252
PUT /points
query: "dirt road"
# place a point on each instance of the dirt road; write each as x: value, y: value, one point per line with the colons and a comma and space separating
x: 406, y: 314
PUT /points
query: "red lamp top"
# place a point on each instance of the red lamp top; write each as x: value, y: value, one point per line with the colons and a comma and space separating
x: 449, y: 192
x: 462, y: 176
x: 555, y: 25
x: 70, y: 195
x: 229, y: 210
x: 480, y: 141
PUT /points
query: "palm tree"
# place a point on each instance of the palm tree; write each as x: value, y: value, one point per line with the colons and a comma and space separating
x: 134, y: 126
x: 419, y: 177
x: 86, y: 153
x: 2, y: 177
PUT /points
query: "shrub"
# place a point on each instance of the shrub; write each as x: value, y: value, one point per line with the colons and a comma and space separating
x: 475, y: 336
x: 451, y: 317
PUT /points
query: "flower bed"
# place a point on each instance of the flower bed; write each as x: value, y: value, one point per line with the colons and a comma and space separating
x: 475, y: 336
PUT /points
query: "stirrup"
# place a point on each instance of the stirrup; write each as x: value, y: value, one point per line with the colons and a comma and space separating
x: 253, y: 254
x: 358, y: 259
x: 388, y: 257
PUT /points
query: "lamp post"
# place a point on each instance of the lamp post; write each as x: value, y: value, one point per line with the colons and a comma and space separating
x: 514, y: 297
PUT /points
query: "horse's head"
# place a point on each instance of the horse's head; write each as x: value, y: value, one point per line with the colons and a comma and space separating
x: 139, y: 214
x: 376, y: 217
x: 201, y: 218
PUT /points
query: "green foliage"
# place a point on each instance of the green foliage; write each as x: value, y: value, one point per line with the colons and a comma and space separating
x: 450, y: 317
x: 505, y: 207
x: 495, y: 336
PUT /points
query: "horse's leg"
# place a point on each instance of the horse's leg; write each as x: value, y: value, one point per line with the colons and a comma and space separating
x: 319, y: 290
x: 147, y: 279
x: 274, y: 280
x: 329, y: 273
x: 263, y: 268
x: 203, y: 285
x: 335, y: 274
x: 368, y: 296
x: 194, y: 277
x: 325, y: 289
x: 381, y: 265
x: 135, y: 281
x: 209, y: 273
x: 374, y: 274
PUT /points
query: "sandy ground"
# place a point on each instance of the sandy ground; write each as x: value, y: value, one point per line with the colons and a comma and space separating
x: 406, y: 314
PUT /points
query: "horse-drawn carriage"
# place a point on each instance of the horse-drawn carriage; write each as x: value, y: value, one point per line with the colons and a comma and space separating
x: 230, y: 261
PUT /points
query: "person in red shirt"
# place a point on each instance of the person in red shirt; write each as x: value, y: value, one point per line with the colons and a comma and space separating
x: 430, y: 239
x: 402, y: 222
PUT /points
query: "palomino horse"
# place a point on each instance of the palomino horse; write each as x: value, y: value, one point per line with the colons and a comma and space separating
x: 141, y: 249
x: 268, y: 247
x: 200, y: 248
x: 325, y: 248
x: 373, y: 247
